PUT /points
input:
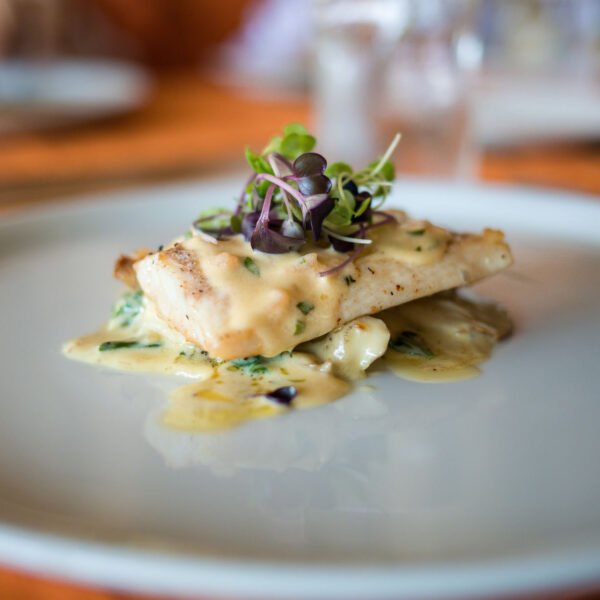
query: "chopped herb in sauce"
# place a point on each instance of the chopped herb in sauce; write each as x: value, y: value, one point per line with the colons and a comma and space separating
x: 251, y: 266
x: 254, y: 365
x: 305, y: 307
x: 160, y: 248
x: 416, y: 232
x: 244, y: 362
x: 411, y: 343
x: 300, y: 327
x: 193, y: 352
x: 349, y: 279
x: 117, y: 345
x: 187, y: 235
x: 419, y: 249
x: 127, y: 308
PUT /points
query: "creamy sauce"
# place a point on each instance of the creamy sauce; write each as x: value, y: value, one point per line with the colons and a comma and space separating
x: 413, y: 243
x: 233, y: 395
x: 352, y: 348
x: 262, y: 296
x: 443, y: 337
x: 440, y: 338
x: 255, y: 299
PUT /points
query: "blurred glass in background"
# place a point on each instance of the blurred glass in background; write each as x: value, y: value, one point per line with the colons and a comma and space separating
x: 396, y: 65
x: 453, y: 76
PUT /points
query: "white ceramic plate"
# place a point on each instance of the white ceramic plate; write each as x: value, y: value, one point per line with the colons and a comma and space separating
x: 485, y: 487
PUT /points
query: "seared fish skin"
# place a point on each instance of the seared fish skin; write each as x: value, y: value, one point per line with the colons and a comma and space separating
x: 234, y: 302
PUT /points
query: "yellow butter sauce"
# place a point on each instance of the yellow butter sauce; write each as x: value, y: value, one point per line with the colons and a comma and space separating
x: 440, y: 338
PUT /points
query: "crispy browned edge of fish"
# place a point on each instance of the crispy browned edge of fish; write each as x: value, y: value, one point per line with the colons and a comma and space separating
x: 123, y: 269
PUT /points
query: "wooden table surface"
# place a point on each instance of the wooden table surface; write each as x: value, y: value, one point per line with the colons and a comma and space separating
x: 191, y: 128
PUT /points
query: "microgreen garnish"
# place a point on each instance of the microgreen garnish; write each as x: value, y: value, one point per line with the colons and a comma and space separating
x: 305, y: 307
x: 349, y: 279
x: 251, y: 266
x: 293, y: 197
x: 409, y: 342
x: 126, y: 344
x: 416, y: 232
x: 300, y: 327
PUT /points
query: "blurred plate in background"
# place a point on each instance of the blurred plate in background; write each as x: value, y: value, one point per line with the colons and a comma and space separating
x: 56, y: 93
x: 511, y: 110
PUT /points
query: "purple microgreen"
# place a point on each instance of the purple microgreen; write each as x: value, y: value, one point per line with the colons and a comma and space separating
x: 283, y: 395
x: 279, y: 164
x: 249, y: 223
x: 272, y: 242
x: 320, y: 208
x: 283, y: 185
x: 308, y: 172
x: 291, y: 192
x: 268, y: 240
x: 310, y: 163
x: 314, y: 184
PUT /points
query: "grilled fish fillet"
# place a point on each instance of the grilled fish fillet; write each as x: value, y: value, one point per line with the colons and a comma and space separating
x: 234, y: 302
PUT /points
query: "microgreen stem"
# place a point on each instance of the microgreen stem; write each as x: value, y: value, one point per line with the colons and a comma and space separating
x: 347, y: 238
x: 387, y: 154
x: 354, y: 254
x: 282, y: 185
x: 273, y: 158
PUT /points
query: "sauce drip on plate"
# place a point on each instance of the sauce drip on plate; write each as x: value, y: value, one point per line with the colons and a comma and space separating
x: 436, y: 339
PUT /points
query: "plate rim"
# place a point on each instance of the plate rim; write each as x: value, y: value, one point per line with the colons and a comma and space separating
x: 136, y: 569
